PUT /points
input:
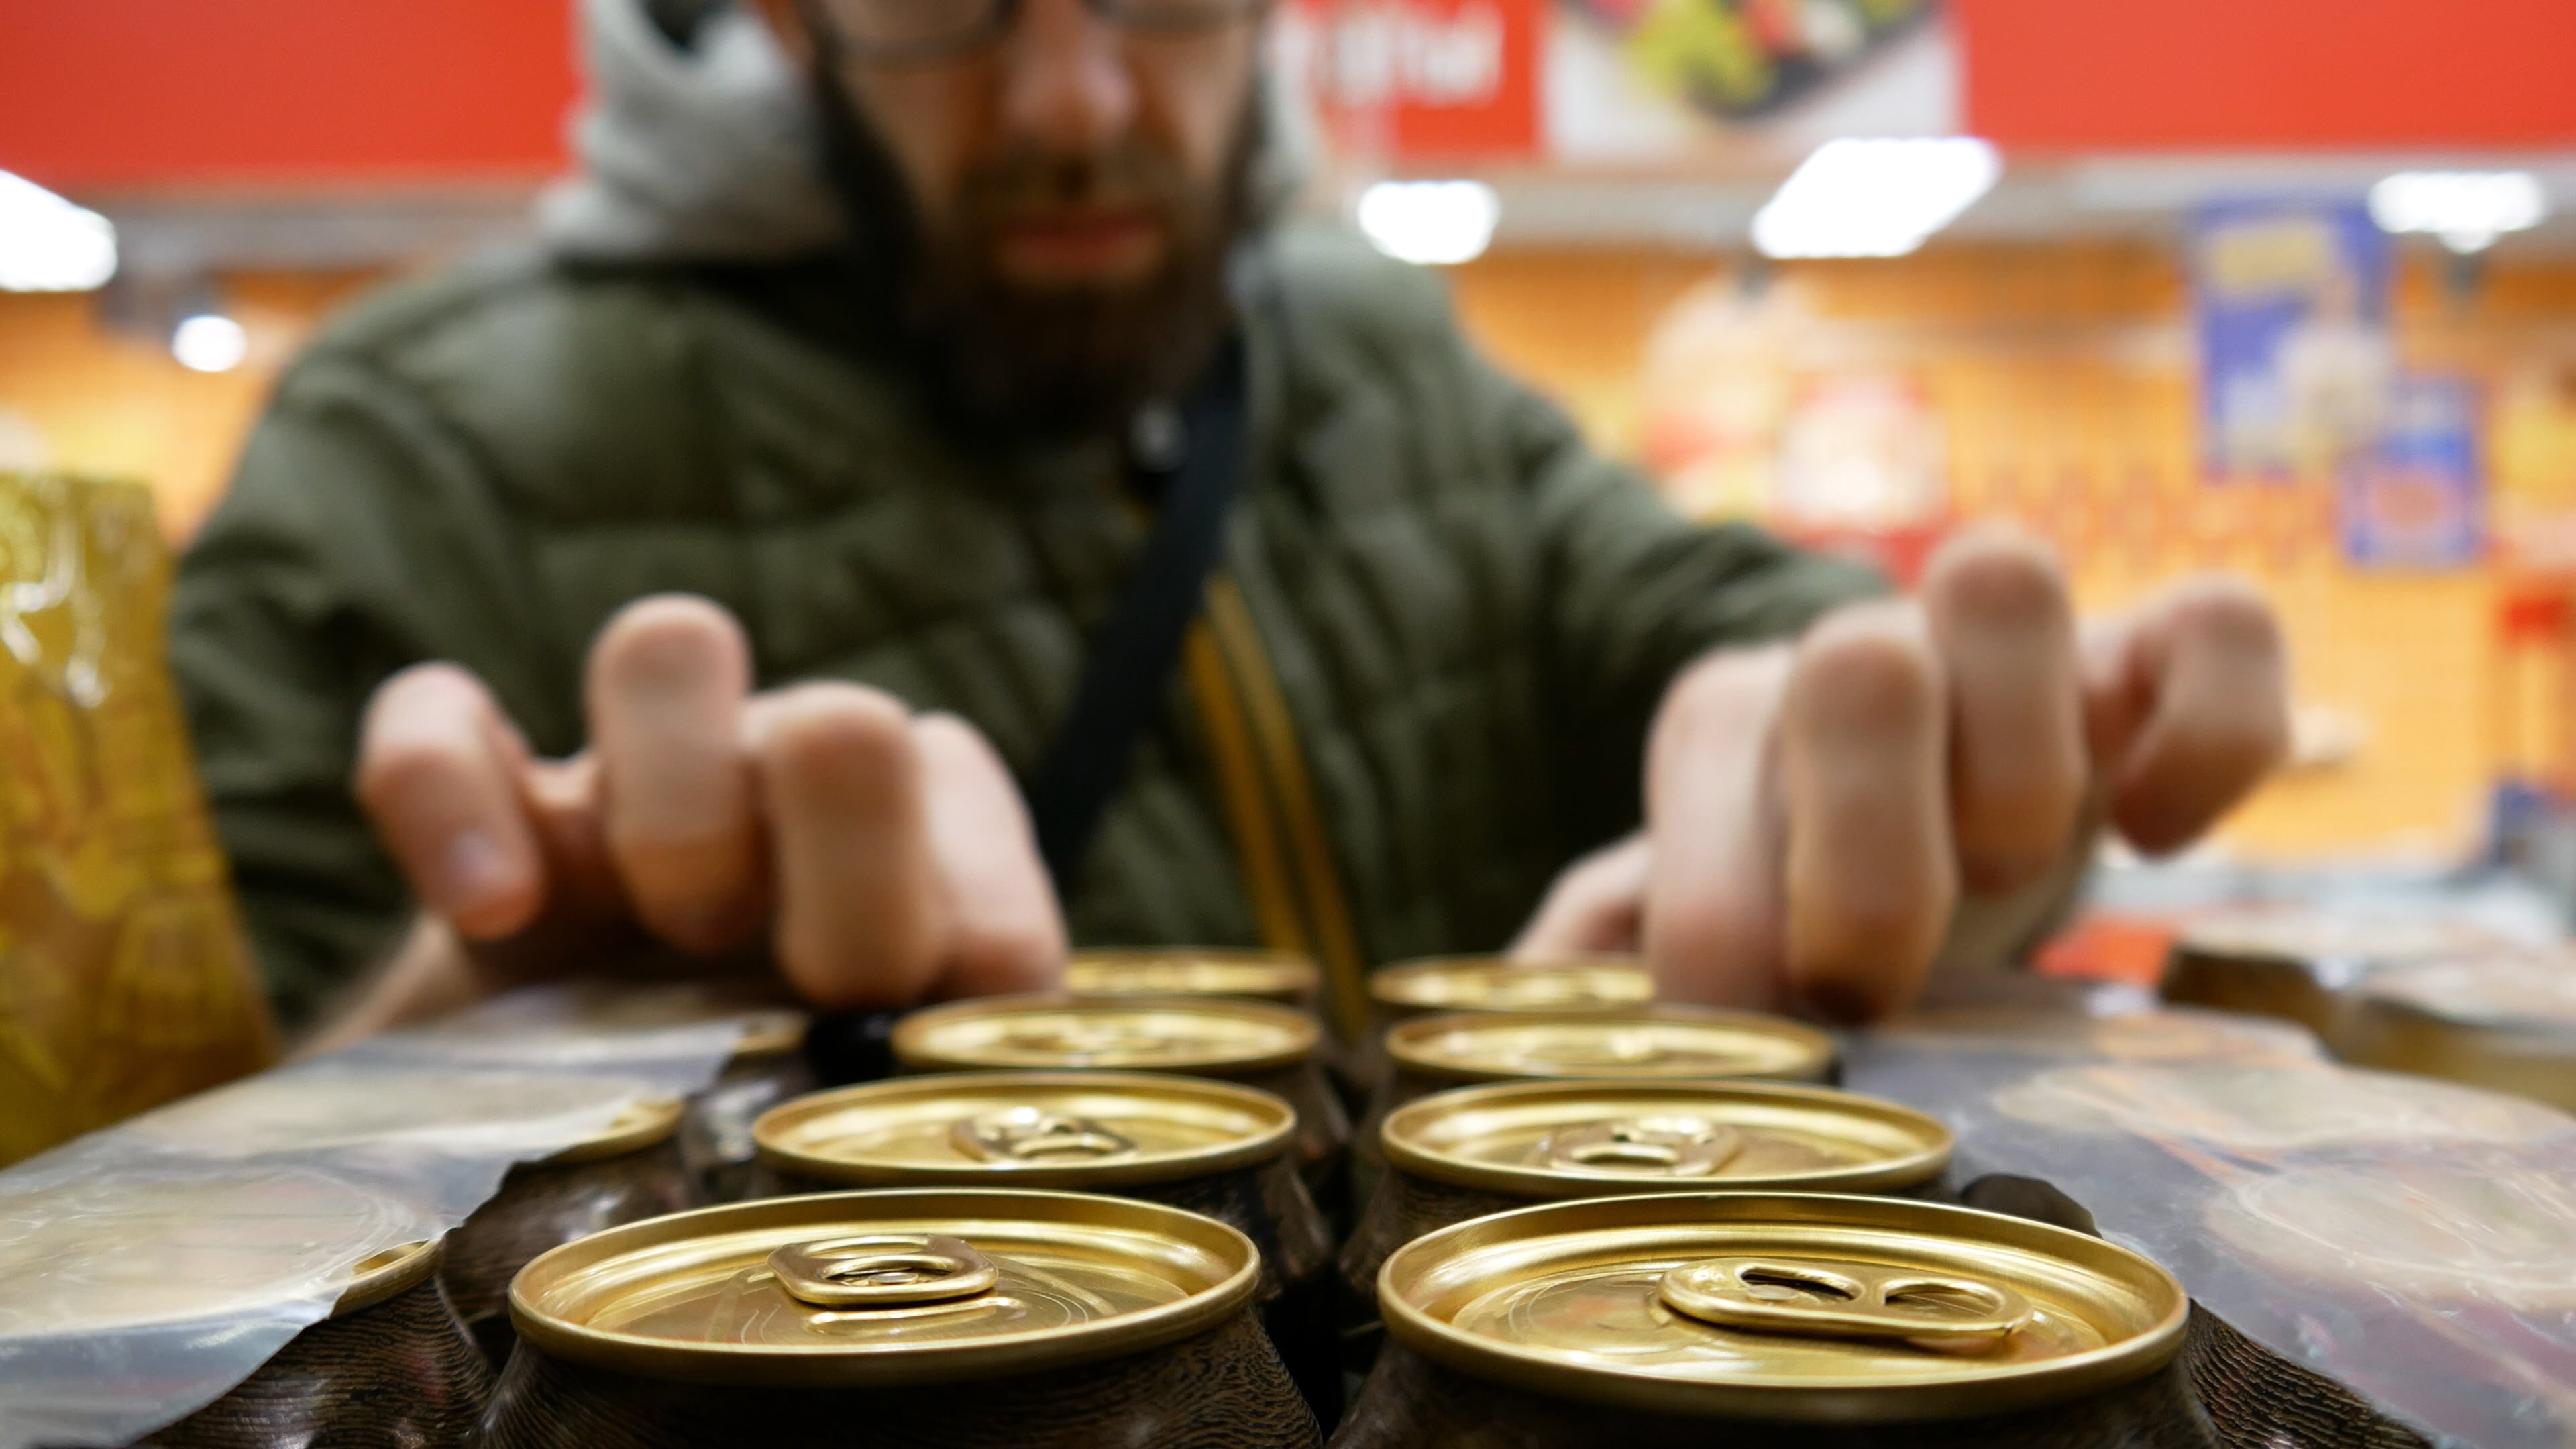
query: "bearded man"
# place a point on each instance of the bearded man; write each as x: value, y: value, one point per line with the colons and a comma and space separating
x: 737, y: 581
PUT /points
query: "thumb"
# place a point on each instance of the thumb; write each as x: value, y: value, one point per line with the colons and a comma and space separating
x: 1715, y: 931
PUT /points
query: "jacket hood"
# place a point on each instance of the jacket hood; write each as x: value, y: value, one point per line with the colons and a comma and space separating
x: 710, y: 150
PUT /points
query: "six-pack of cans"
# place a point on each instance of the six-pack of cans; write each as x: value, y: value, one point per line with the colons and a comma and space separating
x: 1125, y: 1215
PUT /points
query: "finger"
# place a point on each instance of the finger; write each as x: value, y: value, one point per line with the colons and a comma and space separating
x: 1714, y: 931
x: 862, y: 912
x: 1870, y: 876
x: 1006, y: 933
x: 2196, y: 696
x: 1597, y: 906
x: 1999, y: 614
x: 438, y: 774
x: 666, y: 687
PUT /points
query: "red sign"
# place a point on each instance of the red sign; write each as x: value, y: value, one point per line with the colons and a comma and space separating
x: 2216, y: 74
x: 1423, y: 79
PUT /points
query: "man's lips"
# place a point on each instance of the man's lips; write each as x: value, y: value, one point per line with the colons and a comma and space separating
x: 1090, y: 245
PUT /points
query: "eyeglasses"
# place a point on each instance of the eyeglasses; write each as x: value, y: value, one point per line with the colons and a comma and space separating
x: 914, y: 32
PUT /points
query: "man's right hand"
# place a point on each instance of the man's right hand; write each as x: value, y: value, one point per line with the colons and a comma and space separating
x: 881, y: 857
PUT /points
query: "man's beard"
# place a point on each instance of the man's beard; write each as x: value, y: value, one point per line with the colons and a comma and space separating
x: 1007, y: 363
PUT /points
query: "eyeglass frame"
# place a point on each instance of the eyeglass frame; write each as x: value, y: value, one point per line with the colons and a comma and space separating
x: 1000, y: 16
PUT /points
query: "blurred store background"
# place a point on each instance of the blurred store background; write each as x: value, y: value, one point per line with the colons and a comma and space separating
x: 2286, y: 287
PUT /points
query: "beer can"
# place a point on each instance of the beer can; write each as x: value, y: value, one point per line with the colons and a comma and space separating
x: 941, y: 1319
x: 630, y: 1171
x: 1439, y: 984
x: 1772, y: 1320
x: 2505, y: 1023
x: 1473, y: 1151
x: 1211, y: 1147
x: 1256, y: 1043
x: 767, y: 1067
x: 1646, y: 1043
x: 391, y: 1365
x: 1283, y: 977
x: 2295, y: 963
x: 112, y: 1271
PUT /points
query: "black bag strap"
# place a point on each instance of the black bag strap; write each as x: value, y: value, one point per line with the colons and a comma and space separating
x: 1126, y: 672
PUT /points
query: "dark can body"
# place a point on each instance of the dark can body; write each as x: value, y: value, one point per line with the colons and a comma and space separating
x: 1270, y: 1205
x: 1258, y: 1044
x: 1776, y: 1050
x: 930, y: 1319
x: 1776, y: 1320
x: 1323, y: 1127
x: 544, y: 1205
x: 715, y: 1132
x: 1015, y: 1131
x: 2286, y: 987
x: 1223, y: 1389
x: 391, y: 1370
x: 1413, y: 1403
x: 1473, y: 1151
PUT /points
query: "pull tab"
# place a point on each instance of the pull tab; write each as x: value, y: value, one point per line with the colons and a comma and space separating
x: 1086, y: 1040
x: 1030, y: 1134
x: 1584, y: 1049
x: 883, y: 1272
x: 1532, y: 988
x: 1670, y: 1146
x: 1847, y: 1300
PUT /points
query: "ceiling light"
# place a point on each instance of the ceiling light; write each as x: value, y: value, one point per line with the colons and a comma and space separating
x: 49, y: 245
x: 1431, y: 223
x: 2468, y: 210
x: 1883, y: 198
x: 208, y: 343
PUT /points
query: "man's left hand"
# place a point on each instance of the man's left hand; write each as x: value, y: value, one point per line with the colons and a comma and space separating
x: 1814, y: 811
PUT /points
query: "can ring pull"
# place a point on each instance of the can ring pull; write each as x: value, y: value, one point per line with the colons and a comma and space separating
x: 1087, y: 1040
x: 1033, y: 1134
x: 1846, y: 1300
x: 883, y: 1272
x: 1669, y: 1146
x: 1610, y: 1051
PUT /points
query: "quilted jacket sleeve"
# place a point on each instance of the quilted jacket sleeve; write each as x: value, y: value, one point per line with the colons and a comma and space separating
x: 358, y: 537
x: 1633, y: 593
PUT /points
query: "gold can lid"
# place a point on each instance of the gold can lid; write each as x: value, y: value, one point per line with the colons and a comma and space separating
x: 1076, y: 1131
x: 502, y: 1113
x: 1280, y: 976
x: 1591, y: 1139
x: 2307, y: 935
x: 1784, y: 1307
x: 2164, y: 1034
x: 884, y: 1288
x: 118, y: 1251
x: 1495, y: 983
x: 2535, y: 994
x: 380, y: 1276
x: 1651, y: 1042
x: 1201, y: 1034
x: 639, y: 1125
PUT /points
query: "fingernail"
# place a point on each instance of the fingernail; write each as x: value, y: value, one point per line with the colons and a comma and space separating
x: 474, y: 873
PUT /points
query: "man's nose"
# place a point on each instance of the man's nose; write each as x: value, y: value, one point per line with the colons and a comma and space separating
x: 1066, y: 84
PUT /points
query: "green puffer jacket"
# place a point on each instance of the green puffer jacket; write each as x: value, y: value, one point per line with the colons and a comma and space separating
x: 1421, y: 688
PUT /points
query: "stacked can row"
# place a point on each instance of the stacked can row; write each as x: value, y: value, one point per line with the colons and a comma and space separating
x: 1109, y: 1217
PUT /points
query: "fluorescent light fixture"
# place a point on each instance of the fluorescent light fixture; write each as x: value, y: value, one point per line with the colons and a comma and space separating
x: 49, y: 245
x: 1874, y: 198
x: 2468, y: 210
x: 1430, y: 223
x: 208, y: 343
